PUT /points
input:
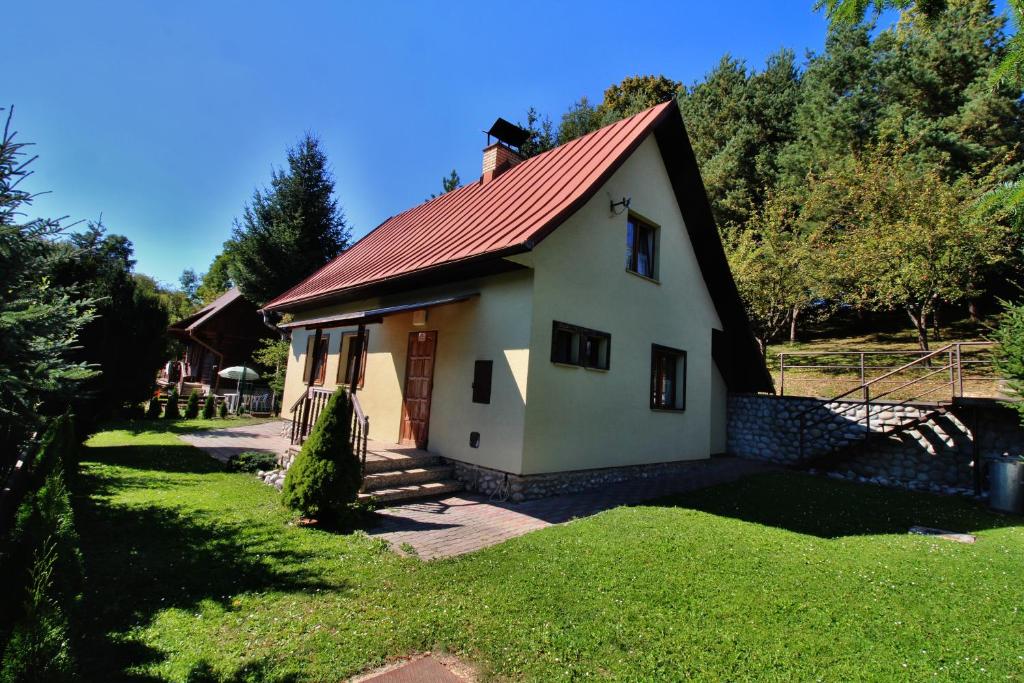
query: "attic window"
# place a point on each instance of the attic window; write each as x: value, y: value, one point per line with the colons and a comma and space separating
x: 575, y: 345
x: 641, y: 244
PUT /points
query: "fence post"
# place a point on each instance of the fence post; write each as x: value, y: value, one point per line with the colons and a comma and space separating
x: 782, y: 374
x: 959, y: 373
x: 862, y: 376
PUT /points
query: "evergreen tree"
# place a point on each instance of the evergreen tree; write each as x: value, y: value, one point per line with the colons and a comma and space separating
x: 171, y: 406
x: 209, y: 407
x: 289, y: 230
x: 581, y: 119
x: 127, y: 340
x: 323, y: 482
x: 40, y: 319
x: 153, y: 408
x: 192, y: 406
x: 541, y: 134
x: 222, y: 411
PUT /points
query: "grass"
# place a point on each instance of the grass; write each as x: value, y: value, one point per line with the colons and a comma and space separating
x: 198, y: 574
x: 898, y: 344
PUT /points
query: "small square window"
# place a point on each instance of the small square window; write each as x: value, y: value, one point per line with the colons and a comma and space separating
x: 574, y: 345
x: 668, y: 378
x: 641, y: 244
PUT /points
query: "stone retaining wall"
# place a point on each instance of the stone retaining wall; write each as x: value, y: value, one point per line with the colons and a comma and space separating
x: 517, y: 487
x: 938, y: 454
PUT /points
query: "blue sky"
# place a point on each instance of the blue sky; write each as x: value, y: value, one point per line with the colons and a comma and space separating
x: 163, y: 116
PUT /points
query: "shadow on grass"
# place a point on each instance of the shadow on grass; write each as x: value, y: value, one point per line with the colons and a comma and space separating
x: 182, y: 426
x: 143, y: 559
x: 181, y: 459
x: 827, y: 508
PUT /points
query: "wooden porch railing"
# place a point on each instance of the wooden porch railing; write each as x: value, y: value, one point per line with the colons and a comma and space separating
x: 306, y: 410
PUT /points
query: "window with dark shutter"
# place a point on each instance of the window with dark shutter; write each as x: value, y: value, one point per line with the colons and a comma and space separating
x: 347, y: 364
x: 482, y: 371
x: 321, y: 355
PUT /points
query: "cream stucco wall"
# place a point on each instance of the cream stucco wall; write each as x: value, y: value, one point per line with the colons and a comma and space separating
x: 494, y: 326
x: 575, y: 418
x: 579, y: 418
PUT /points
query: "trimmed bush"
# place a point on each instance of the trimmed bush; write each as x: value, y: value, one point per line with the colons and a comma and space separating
x: 222, y: 411
x: 209, y: 407
x: 171, y: 407
x: 41, y: 566
x: 192, y: 407
x: 153, y: 409
x: 323, y: 482
x: 252, y: 461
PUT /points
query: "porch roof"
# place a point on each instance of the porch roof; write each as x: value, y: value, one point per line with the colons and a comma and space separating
x: 375, y: 315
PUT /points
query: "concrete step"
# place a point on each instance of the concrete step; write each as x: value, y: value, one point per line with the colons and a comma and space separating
x: 397, y: 463
x: 413, y: 491
x: 399, y: 478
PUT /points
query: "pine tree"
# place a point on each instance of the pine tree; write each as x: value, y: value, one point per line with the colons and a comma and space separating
x: 222, y: 411
x: 209, y: 407
x: 323, y: 482
x: 289, y: 230
x: 153, y: 408
x: 192, y: 407
x: 171, y: 406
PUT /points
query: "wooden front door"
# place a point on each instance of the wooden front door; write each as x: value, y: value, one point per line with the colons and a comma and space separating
x: 419, y: 383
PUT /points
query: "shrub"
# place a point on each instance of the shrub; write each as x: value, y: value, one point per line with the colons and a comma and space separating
x: 41, y: 566
x: 209, y: 407
x: 222, y: 411
x: 171, y: 407
x: 323, y: 482
x: 1009, y: 357
x: 192, y: 407
x: 252, y: 461
x: 153, y: 409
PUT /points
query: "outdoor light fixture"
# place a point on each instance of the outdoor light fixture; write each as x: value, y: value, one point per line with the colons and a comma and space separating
x: 624, y: 203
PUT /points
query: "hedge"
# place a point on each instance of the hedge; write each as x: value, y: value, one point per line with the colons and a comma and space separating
x: 41, y: 568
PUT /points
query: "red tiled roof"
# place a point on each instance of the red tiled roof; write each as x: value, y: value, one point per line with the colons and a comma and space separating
x: 506, y: 213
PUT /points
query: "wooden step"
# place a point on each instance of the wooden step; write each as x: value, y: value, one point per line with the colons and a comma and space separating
x: 413, y: 491
x: 413, y: 475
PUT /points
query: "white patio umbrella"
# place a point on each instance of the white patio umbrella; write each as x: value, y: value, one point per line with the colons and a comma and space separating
x: 240, y: 373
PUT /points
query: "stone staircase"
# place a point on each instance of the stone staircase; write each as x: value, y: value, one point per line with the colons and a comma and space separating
x: 935, y: 450
x: 408, y: 477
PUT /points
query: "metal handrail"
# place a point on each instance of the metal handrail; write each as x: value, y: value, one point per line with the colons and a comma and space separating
x: 955, y: 385
x: 788, y: 368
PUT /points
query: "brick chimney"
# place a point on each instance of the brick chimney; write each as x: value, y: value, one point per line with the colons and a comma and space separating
x: 498, y: 158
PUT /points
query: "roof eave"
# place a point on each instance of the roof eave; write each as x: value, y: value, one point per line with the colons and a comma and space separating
x: 457, y: 270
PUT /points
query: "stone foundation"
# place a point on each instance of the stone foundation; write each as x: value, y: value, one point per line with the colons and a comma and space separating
x: 520, y: 487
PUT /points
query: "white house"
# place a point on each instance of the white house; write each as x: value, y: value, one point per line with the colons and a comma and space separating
x: 562, y: 315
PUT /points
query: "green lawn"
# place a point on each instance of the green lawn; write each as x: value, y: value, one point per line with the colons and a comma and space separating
x: 197, y: 574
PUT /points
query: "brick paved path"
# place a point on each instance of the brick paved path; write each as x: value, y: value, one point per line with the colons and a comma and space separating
x: 223, y: 443
x: 468, y: 522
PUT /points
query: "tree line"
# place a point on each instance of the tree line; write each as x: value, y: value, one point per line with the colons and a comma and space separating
x: 881, y: 174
